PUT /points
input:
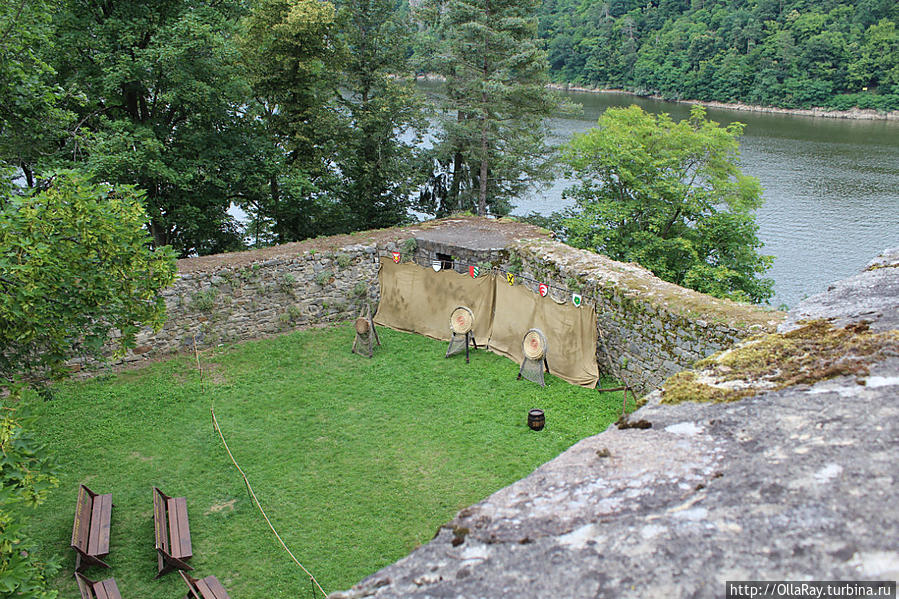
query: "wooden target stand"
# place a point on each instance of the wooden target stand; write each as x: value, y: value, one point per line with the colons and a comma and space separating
x: 366, y: 334
x: 534, y: 348
x: 461, y: 324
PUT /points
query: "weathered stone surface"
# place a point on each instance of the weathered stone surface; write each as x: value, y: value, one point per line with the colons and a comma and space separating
x: 871, y: 295
x: 795, y: 484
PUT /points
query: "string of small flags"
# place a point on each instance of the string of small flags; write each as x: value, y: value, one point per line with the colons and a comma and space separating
x: 474, y: 271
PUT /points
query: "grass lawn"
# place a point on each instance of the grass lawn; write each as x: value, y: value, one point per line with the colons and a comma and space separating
x: 357, y: 461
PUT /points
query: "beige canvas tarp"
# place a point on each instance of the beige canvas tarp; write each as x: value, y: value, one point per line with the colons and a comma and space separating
x: 418, y: 300
x: 570, y: 332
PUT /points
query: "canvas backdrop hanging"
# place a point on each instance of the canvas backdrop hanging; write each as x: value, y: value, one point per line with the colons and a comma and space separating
x: 570, y: 332
x: 418, y: 300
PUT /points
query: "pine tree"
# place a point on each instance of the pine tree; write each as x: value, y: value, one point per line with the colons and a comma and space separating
x: 492, y: 146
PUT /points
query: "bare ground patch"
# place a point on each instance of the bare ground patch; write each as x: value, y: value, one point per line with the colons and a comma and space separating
x: 221, y: 507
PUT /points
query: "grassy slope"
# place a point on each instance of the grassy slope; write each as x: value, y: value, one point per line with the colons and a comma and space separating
x: 356, y: 461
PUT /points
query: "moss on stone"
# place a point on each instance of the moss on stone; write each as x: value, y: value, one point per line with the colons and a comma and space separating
x: 811, y: 353
x: 814, y: 352
x: 685, y: 386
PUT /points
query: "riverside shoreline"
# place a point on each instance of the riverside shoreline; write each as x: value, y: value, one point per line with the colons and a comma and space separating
x: 854, y: 114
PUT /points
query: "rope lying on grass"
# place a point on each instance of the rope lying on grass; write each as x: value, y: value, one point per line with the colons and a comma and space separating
x: 252, y: 493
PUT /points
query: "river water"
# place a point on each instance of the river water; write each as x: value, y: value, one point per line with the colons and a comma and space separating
x: 831, y: 187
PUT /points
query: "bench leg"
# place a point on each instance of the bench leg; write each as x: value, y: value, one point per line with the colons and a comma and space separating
x: 167, y: 563
x: 83, y: 560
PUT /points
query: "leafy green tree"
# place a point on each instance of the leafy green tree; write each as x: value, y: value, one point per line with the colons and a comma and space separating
x: 492, y: 144
x: 75, y: 267
x: 159, y: 92
x: 292, y: 59
x: 670, y: 196
x: 878, y: 61
x: 26, y: 476
x: 32, y: 121
x: 377, y: 157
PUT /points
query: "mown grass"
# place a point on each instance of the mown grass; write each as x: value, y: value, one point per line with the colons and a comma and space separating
x: 357, y: 461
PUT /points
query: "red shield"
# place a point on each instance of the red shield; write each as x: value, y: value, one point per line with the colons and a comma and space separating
x: 544, y: 289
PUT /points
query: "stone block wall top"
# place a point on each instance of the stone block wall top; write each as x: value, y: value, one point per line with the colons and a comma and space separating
x: 637, y: 283
x: 476, y: 234
x: 466, y: 231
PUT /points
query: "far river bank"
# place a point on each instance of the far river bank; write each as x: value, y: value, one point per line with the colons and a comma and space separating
x: 857, y: 114
x: 854, y: 114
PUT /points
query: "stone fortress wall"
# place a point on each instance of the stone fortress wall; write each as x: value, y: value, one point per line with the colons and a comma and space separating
x: 649, y: 329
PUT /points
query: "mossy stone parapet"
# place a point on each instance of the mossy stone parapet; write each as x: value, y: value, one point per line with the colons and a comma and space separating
x: 648, y: 329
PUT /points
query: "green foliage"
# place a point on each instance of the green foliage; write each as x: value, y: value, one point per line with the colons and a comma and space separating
x: 32, y: 120
x: 289, y: 50
x: 344, y: 260
x: 159, y: 94
x: 356, y: 461
x: 324, y: 277
x: 792, y: 53
x: 515, y: 264
x: 293, y: 110
x: 384, y: 124
x: 291, y: 314
x: 287, y: 281
x: 204, y: 301
x: 74, y: 267
x: 26, y: 479
x: 492, y: 143
x: 671, y: 197
x: 360, y: 290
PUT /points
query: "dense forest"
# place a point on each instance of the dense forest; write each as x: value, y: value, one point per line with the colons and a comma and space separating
x: 792, y: 53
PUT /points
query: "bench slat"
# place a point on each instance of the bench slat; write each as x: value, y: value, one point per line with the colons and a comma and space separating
x: 162, y: 541
x: 218, y: 591
x: 204, y: 589
x: 107, y: 589
x: 84, y: 586
x: 81, y: 529
x: 191, y: 586
x: 179, y: 529
x: 101, y: 513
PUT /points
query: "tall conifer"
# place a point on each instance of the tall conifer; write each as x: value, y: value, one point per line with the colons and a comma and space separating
x: 493, y: 142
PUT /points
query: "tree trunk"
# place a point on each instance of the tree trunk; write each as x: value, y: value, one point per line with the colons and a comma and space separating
x: 482, y: 179
x: 275, y: 191
x: 482, y: 194
x: 29, y: 175
x: 158, y: 233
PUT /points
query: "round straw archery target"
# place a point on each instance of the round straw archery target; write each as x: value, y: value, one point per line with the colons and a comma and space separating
x: 461, y: 320
x: 362, y: 326
x: 534, y: 344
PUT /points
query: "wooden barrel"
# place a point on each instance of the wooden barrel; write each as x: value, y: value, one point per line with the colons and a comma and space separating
x: 536, y: 419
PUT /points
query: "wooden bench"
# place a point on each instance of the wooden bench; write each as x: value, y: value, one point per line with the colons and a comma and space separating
x: 90, y: 534
x: 104, y: 589
x: 206, y: 588
x: 172, y: 532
